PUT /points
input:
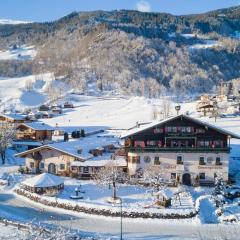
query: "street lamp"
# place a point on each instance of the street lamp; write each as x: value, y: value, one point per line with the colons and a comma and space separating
x: 177, y: 108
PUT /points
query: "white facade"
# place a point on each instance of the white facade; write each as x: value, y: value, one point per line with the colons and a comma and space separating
x: 190, y: 164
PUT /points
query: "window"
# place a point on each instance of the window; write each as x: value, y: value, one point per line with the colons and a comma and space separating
x: 42, y: 165
x: 147, y: 159
x: 179, y: 160
x: 136, y: 159
x: 62, y: 166
x: 201, y: 176
x: 173, y: 176
x: 85, y: 170
x: 218, y: 161
x: 31, y: 164
x: 156, y: 161
x: 201, y: 161
x: 200, y: 130
x: 139, y: 144
x: 157, y: 130
x: 209, y: 160
x: 151, y: 143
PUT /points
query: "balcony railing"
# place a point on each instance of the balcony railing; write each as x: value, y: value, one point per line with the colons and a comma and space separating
x: 178, y: 149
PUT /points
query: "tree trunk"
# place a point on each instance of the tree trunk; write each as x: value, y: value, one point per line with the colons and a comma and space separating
x: 3, y: 156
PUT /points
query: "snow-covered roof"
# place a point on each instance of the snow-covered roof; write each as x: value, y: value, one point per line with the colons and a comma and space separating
x: 43, y: 180
x: 38, y: 126
x: 14, y: 116
x: 100, y: 162
x: 78, y: 148
x: 157, y: 123
x: 166, y: 193
x: 27, y: 143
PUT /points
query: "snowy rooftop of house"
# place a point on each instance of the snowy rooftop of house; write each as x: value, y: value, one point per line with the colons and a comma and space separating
x: 166, y: 193
x: 78, y: 148
x: 43, y: 180
x: 100, y: 161
x: 38, y: 126
x: 27, y: 143
x: 14, y: 116
x: 156, y: 123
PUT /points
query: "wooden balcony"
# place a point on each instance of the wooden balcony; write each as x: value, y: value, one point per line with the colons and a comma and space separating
x: 178, y: 149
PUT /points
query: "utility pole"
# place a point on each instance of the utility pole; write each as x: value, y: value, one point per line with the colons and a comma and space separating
x: 121, y: 225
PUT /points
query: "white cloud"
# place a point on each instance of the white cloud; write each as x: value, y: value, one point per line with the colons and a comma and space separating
x: 143, y: 6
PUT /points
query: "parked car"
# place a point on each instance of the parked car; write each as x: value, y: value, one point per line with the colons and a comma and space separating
x: 232, y: 192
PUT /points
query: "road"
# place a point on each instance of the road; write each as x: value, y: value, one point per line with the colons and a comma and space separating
x: 15, y: 208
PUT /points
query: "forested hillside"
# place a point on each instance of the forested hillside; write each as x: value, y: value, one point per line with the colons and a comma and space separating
x: 131, y: 52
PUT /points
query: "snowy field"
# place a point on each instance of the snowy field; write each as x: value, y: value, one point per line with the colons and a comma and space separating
x: 15, y: 96
x: 22, y: 53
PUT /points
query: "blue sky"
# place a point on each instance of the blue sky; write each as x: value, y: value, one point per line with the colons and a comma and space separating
x: 46, y: 10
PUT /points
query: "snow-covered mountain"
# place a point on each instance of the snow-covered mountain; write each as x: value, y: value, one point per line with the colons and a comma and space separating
x: 13, y: 22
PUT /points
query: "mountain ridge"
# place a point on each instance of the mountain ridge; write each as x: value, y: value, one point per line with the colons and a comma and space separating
x: 134, y: 52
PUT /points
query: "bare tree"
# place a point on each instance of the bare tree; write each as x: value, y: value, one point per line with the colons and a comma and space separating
x: 29, y: 85
x: 166, y: 108
x: 110, y: 175
x: 7, y: 134
x: 154, y: 175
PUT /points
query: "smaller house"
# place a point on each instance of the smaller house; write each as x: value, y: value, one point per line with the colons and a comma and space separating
x: 43, y: 108
x: 68, y: 105
x: 43, y: 115
x: 44, y: 183
x: 164, y: 197
x: 12, y: 118
x: 34, y: 131
x: 207, y: 110
x: 57, y: 110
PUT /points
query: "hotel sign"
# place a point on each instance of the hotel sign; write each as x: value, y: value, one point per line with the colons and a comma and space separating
x: 210, y: 167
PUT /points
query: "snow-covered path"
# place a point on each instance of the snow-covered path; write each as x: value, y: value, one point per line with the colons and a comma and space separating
x: 17, y: 209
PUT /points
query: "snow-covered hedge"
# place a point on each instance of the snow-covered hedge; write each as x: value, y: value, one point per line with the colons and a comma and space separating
x: 104, y: 210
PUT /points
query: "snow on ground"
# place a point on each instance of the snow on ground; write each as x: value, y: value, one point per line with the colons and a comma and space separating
x: 207, y: 44
x: 22, y: 53
x: 15, y: 94
x: 9, y: 232
x: 135, y: 198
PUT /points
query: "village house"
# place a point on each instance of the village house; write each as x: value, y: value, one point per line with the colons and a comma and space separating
x: 190, y: 151
x: 34, y: 131
x: 79, y: 158
x: 30, y: 135
x: 12, y: 118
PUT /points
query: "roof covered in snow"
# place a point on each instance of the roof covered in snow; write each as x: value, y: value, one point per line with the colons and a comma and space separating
x: 100, y: 162
x: 39, y: 126
x: 78, y: 148
x: 166, y: 193
x: 14, y: 116
x: 157, y: 123
x: 43, y: 180
x: 27, y: 143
